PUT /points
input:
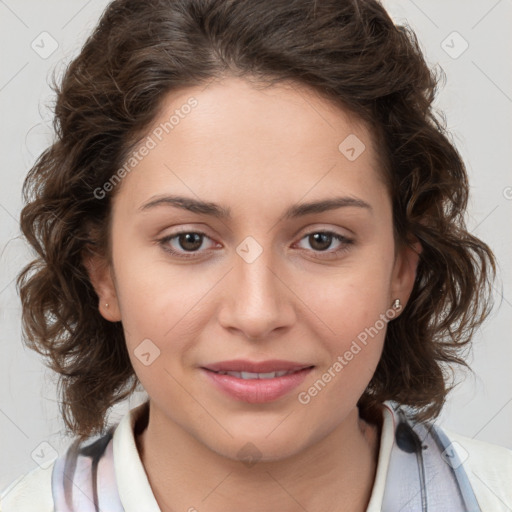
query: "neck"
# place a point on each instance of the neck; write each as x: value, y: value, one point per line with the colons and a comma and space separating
x: 186, y: 475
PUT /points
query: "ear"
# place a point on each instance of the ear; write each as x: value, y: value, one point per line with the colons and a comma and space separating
x: 101, y: 277
x: 404, y: 272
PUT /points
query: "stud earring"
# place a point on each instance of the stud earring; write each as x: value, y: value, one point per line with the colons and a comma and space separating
x: 106, y: 304
x: 396, y: 304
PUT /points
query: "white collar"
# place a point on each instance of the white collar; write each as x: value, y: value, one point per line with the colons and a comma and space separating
x: 387, y: 440
x: 132, y: 481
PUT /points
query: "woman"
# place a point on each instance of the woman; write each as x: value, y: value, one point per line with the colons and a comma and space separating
x: 252, y: 211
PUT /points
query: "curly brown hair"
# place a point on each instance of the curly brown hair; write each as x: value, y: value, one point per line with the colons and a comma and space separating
x: 351, y: 53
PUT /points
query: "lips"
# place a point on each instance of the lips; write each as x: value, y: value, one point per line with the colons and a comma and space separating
x: 256, y: 382
x: 261, y: 375
x: 259, y: 367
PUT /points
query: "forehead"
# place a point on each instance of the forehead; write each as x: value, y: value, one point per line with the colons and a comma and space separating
x: 230, y: 135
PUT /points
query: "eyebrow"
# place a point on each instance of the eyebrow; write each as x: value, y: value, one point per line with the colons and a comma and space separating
x: 221, y: 212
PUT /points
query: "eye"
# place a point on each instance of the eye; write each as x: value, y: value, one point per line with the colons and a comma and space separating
x: 320, y: 241
x: 184, y: 242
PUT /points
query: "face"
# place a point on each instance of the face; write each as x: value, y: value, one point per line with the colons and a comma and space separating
x: 259, y: 276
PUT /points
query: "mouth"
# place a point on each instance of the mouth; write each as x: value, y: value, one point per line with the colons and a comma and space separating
x: 241, y: 380
x: 257, y: 375
x: 257, y: 367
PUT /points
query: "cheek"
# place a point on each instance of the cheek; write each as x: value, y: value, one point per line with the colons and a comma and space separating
x: 355, y: 348
x: 347, y: 301
x: 351, y: 311
x: 160, y: 323
x: 353, y: 354
x: 163, y: 304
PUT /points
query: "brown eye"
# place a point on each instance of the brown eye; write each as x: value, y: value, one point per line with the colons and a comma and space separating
x: 321, y: 241
x: 181, y: 243
x: 190, y: 241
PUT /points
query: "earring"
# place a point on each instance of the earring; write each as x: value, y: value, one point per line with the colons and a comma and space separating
x: 106, y: 304
x: 396, y: 304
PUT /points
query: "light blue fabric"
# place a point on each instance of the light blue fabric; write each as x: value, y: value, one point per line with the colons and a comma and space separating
x: 425, y: 473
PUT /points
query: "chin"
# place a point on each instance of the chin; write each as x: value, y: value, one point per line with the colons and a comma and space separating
x: 259, y: 447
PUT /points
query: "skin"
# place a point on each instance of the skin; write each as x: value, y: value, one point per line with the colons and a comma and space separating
x: 256, y: 152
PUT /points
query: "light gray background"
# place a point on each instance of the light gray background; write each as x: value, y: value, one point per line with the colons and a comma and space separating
x: 477, y: 101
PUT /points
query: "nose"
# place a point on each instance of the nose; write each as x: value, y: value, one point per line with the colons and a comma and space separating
x: 257, y: 299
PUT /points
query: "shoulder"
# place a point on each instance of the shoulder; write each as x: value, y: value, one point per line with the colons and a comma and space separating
x: 45, y: 489
x: 31, y: 492
x: 489, y: 469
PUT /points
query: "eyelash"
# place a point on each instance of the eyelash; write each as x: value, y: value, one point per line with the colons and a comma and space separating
x: 346, y: 243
